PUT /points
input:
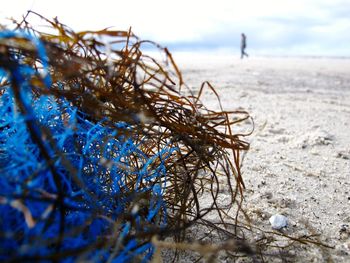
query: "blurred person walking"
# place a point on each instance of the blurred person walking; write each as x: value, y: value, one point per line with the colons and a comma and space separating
x: 243, y: 45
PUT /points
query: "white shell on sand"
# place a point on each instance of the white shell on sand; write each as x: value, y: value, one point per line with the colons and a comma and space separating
x: 278, y: 221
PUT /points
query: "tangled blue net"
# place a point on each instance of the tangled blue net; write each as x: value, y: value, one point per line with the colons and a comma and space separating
x: 69, y: 187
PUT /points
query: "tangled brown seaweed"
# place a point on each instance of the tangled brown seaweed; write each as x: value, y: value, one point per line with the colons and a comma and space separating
x: 107, y: 75
x: 125, y: 85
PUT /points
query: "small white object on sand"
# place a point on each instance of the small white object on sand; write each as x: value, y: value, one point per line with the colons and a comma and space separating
x: 278, y: 221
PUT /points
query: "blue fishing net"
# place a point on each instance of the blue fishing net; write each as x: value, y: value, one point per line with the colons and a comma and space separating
x: 72, y: 188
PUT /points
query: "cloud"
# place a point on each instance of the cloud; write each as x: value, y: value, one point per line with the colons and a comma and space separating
x: 320, y: 29
x: 289, y: 25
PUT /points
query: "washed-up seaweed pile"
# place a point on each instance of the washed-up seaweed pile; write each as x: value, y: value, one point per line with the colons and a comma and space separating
x: 100, y: 150
x: 106, y: 155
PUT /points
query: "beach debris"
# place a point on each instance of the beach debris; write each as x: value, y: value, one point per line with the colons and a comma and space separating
x: 343, y: 155
x: 108, y: 147
x: 346, y: 246
x: 317, y: 137
x: 344, y: 231
x: 278, y: 221
x: 276, y: 131
x: 104, y: 149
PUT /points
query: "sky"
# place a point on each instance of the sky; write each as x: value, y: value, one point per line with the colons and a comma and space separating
x: 273, y: 27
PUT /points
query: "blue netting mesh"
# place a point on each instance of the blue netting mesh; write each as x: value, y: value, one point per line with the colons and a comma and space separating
x: 69, y: 184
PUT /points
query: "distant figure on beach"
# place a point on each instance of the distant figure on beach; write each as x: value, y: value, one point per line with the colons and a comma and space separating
x: 243, y: 45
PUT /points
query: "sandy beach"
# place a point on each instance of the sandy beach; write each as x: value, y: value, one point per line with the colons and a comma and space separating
x: 299, y: 161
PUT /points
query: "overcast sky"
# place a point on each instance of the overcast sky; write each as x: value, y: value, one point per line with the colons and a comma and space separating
x: 281, y: 27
